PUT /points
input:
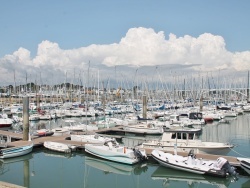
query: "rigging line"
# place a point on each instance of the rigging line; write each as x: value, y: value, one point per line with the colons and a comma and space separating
x: 238, y: 153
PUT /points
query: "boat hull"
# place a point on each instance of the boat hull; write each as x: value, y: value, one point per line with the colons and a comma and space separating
x: 216, y: 150
x: 89, y: 138
x: 184, y: 166
x: 142, y: 130
x: 114, y: 154
x: 15, y: 151
x: 245, y: 164
x: 55, y: 146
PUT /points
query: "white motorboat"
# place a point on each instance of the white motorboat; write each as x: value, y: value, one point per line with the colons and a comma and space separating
x: 114, y: 152
x: 15, y: 151
x: 219, y: 168
x: 144, y: 128
x: 5, y: 122
x: 34, y: 117
x: 185, y: 140
x: 60, y: 147
x: 72, y: 125
x: 105, y: 123
x: 61, y: 131
x: 245, y: 163
x: 93, y: 138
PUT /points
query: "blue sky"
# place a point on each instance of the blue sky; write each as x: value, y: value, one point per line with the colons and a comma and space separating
x: 79, y: 24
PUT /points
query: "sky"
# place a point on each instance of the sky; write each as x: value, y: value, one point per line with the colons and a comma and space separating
x: 69, y: 41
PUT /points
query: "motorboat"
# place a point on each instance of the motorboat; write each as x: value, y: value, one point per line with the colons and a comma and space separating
x: 218, y: 168
x: 144, y: 128
x: 104, y: 123
x: 73, y: 126
x: 185, y: 140
x: 184, y: 129
x: 93, y: 138
x: 61, y: 131
x: 43, y: 132
x: 170, y: 177
x: 5, y: 122
x: 16, y: 151
x: 60, y: 147
x: 112, y: 151
x: 245, y: 163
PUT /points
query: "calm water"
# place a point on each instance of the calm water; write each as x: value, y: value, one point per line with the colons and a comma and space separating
x: 47, y: 169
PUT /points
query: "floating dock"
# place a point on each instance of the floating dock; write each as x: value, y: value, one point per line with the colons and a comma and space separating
x: 9, y: 185
x: 38, y: 142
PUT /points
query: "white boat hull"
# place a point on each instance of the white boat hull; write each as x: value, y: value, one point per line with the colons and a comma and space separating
x: 245, y: 164
x: 55, y: 146
x: 189, y: 164
x: 117, y: 154
x: 222, y: 150
x: 89, y: 138
x: 15, y: 151
x: 134, y: 129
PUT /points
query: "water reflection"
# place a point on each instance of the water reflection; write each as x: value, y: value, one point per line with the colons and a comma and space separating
x: 116, y: 168
x: 46, y: 168
x: 171, y: 176
x: 51, y: 153
x: 6, y: 163
x: 238, y: 128
x: 246, y: 184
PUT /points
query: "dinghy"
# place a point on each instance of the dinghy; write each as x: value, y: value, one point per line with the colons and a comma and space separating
x: 219, y: 168
x: 15, y: 151
x: 60, y: 147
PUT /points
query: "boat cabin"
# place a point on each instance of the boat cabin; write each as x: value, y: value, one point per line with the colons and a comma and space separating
x: 174, y: 117
x: 195, y: 115
x: 179, y: 135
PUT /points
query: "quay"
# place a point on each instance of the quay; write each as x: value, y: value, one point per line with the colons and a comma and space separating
x: 38, y: 142
x: 9, y: 185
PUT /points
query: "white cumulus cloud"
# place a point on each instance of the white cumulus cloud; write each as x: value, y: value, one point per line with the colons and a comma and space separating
x: 139, y: 47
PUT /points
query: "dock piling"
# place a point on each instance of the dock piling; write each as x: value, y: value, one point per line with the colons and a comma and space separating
x: 26, y: 118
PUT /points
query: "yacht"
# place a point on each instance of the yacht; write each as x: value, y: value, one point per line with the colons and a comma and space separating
x: 186, y: 139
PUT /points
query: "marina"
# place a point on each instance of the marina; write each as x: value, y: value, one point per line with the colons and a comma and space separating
x: 236, y: 132
x: 190, y: 136
x: 124, y: 94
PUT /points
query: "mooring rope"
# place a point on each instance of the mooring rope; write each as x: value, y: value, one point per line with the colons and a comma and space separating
x: 238, y: 153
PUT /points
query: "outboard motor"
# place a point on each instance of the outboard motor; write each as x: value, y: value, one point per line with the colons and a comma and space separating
x: 224, y: 165
x: 139, y: 155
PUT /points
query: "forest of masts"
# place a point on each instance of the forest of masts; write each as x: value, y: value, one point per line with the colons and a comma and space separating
x: 175, y: 88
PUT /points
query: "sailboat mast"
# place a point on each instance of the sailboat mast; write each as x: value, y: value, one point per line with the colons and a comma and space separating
x: 248, y: 87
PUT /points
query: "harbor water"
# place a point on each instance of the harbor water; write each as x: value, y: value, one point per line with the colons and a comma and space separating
x: 47, y: 169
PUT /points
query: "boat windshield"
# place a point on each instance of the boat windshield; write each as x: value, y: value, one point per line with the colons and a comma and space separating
x: 183, y: 136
